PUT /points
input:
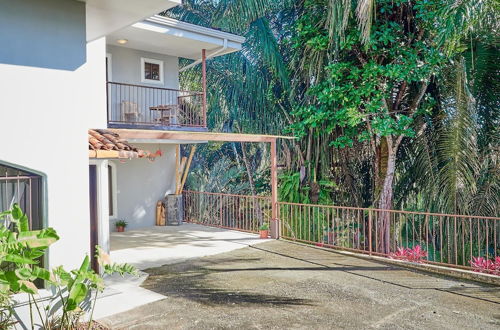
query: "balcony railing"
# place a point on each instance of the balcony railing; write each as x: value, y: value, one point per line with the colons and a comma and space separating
x: 136, y: 106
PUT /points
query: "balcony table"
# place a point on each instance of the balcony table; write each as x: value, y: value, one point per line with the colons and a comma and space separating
x: 168, y: 113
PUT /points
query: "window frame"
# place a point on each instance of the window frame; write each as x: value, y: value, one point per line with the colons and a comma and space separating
x: 145, y: 60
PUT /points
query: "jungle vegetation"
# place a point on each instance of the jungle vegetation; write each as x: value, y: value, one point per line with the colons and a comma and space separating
x: 394, y: 103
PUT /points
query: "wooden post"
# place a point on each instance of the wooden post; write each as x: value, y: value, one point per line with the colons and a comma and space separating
x: 204, y: 84
x: 177, y: 174
x: 275, y: 223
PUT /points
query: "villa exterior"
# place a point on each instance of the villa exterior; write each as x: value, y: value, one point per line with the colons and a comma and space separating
x: 70, y: 70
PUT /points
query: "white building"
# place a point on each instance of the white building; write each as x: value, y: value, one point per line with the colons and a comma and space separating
x: 68, y: 66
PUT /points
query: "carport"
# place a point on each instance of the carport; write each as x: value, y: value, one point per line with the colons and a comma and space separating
x: 158, y: 245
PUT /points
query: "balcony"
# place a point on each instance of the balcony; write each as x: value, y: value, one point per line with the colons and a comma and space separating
x: 145, y: 107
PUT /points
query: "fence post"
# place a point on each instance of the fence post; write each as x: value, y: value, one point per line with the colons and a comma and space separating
x: 220, y: 210
x: 275, y: 224
x: 370, y: 231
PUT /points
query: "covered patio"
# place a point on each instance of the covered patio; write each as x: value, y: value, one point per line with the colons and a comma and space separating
x: 161, y: 245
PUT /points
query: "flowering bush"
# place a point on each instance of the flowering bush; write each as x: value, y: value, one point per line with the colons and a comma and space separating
x: 407, y: 254
x: 483, y: 265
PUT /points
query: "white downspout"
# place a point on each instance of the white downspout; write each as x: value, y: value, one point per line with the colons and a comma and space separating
x: 223, y: 48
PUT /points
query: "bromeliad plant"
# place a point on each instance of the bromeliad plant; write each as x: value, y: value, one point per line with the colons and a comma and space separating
x: 483, y: 265
x: 416, y: 254
x: 73, y: 293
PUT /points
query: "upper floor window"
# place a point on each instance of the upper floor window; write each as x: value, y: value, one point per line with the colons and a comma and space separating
x: 151, y: 71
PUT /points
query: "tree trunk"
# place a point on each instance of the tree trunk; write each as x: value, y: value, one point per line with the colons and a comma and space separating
x: 386, y: 198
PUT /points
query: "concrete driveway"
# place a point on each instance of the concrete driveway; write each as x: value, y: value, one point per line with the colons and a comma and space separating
x: 282, y: 285
x: 157, y: 246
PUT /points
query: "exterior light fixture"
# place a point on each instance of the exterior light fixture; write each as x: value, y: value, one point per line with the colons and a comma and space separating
x: 122, y: 41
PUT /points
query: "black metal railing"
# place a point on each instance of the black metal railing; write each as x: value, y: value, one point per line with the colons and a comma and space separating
x: 136, y: 105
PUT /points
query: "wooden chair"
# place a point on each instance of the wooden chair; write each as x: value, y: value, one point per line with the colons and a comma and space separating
x: 130, y: 112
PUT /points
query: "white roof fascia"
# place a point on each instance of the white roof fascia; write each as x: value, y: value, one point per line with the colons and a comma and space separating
x: 170, y: 22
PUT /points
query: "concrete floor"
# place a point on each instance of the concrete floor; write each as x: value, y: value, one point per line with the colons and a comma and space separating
x: 156, y: 246
x: 282, y: 285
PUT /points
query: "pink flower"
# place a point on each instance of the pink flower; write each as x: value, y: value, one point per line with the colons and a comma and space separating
x: 482, y: 265
x: 414, y: 255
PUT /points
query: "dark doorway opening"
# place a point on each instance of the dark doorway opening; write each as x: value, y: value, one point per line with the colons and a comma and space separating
x: 94, y: 218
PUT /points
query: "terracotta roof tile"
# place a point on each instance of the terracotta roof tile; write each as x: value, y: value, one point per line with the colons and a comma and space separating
x: 102, y: 139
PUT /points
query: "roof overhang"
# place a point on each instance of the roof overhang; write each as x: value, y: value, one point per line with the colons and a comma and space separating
x: 107, y: 16
x: 110, y: 145
x: 169, y: 36
x: 158, y: 136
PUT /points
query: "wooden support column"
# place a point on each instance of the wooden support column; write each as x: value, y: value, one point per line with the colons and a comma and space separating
x: 204, y: 84
x: 275, y: 222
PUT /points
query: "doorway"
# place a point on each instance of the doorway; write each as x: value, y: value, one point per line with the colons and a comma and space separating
x: 94, y: 218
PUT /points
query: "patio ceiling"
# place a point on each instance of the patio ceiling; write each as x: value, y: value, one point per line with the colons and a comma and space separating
x: 106, y: 16
x: 169, y: 36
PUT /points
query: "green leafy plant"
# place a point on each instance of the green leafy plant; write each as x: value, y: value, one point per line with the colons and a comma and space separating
x: 121, y: 223
x: 21, y: 250
x: 264, y: 226
x: 74, y: 292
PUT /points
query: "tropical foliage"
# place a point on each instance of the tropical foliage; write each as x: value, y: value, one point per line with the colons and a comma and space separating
x: 73, y: 293
x: 395, y: 102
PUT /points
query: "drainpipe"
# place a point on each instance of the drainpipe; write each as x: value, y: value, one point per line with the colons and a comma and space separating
x: 223, y: 48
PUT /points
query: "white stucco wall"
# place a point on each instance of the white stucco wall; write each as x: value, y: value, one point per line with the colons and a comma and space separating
x: 141, y: 183
x: 44, y: 117
x: 126, y: 67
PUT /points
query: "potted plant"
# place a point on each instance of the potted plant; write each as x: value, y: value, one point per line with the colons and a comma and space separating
x: 264, y: 230
x: 120, y: 225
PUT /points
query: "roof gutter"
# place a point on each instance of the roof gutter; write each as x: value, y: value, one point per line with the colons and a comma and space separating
x: 223, y: 48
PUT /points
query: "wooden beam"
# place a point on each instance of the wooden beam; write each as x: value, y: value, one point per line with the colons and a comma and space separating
x: 177, y: 155
x: 104, y: 154
x: 275, y: 222
x: 195, y: 136
x: 186, y: 170
x: 204, y: 84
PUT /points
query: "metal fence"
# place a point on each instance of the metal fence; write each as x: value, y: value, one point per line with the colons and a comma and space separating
x: 447, y: 239
x: 136, y: 105
x: 238, y: 212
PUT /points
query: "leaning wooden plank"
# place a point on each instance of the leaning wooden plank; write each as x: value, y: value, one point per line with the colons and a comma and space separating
x: 186, y: 171
x: 158, y: 213
x: 181, y: 170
